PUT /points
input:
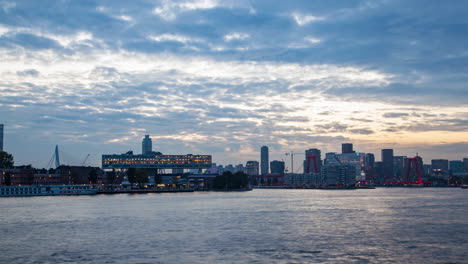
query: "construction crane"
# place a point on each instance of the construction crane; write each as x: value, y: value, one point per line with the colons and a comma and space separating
x: 85, y: 159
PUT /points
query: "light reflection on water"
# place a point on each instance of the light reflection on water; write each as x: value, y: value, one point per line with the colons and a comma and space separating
x: 386, y: 225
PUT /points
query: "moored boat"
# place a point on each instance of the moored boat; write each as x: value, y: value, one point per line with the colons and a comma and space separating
x: 46, y: 190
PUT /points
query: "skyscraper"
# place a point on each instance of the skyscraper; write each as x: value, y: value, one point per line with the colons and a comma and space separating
x: 347, y: 148
x: 146, y: 145
x: 312, y: 164
x: 399, y: 167
x: 387, y: 164
x: 264, y: 160
x: 370, y: 160
x: 1, y: 137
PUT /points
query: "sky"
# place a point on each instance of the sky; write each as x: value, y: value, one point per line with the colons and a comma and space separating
x: 227, y: 77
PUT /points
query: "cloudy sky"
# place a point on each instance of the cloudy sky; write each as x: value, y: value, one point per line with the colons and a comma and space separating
x: 226, y: 77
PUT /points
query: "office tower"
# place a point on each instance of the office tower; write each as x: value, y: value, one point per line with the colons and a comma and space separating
x: 439, y: 164
x: 347, y: 148
x: 439, y: 167
x: 313, y: 161
x: 146, y: 145
x: 252, y: 167
x: 357, y: 160
x: 399, y: 167
x: 456, y: 168
x: 277, y: 167
x: 465, y: 164
x: 415, y: 170
x: 1, y: 137
x: 264, y: 160
x: 387, y: 164
x: 369, y: 160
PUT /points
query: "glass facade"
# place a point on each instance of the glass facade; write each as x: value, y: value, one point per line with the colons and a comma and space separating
x: 156, y: 161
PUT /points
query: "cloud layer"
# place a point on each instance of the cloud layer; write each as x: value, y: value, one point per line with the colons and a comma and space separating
x: 226, y: 77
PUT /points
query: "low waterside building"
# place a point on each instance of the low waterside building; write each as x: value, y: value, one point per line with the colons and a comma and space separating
x: 125, y: 161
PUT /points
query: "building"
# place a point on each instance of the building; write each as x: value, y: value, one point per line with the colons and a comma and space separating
x: 440, y: 167
x: 1, y: 137
x: 277, y: 167
x: 240, y: 168
x: 78, y: 174
x: 146, y: 145
x: 17, y: 176
x: 399, y: 167
x: 302, y: 179
x: 125, y: 161
x: 273, y: 179
x: 347, y: 148
x: 465, y: 164
x: 355, y: 159
x: 414, y: 170
x: 264, y: 160
x: 387, y: 165
x: 338, y: 175
x: 252, y: 167
x: 369, y: 160
x: 456, y: 168
x: 312, y: 161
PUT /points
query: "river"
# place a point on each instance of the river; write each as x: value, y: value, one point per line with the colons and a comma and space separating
x: 385, y: 225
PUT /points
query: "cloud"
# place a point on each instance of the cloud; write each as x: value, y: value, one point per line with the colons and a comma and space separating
x: 395, y: 115
x: 30, y: 72
x: 208, y: 75
x: 304, y: 19
x: 236, y: 36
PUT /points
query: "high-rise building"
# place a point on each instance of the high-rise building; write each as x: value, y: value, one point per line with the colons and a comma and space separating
x: 146, y: 145
x: 387, y: 165
x: 347, y: 148
x: 414, y: 170
x: 1, y: 137
x: 277, y: 167
x: 399, y: 167
x: 312, y: 164
x: 456, y: 168
x: 369, y: 160
x: 465, y: 164
x: 264, y: 160
x: 252, y: 167
x: 357, y: 160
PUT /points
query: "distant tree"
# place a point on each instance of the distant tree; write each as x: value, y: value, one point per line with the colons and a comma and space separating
x: 110, y: 176
x: 221, y: 181
x: 93, y: 176
x: 130, y: 152
x: 131, y: 175
x: 227, y: 180
x: 7, y: 178
x: 175, y: 180
x: 74, y: 178
x: 6, y: 160
x: 141, y: 177
x: 157, y: 179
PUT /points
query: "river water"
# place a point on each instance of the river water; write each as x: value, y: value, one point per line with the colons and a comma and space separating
x: 385, y: 225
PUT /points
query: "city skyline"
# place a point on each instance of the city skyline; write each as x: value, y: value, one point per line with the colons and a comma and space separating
x: 225, y: 78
